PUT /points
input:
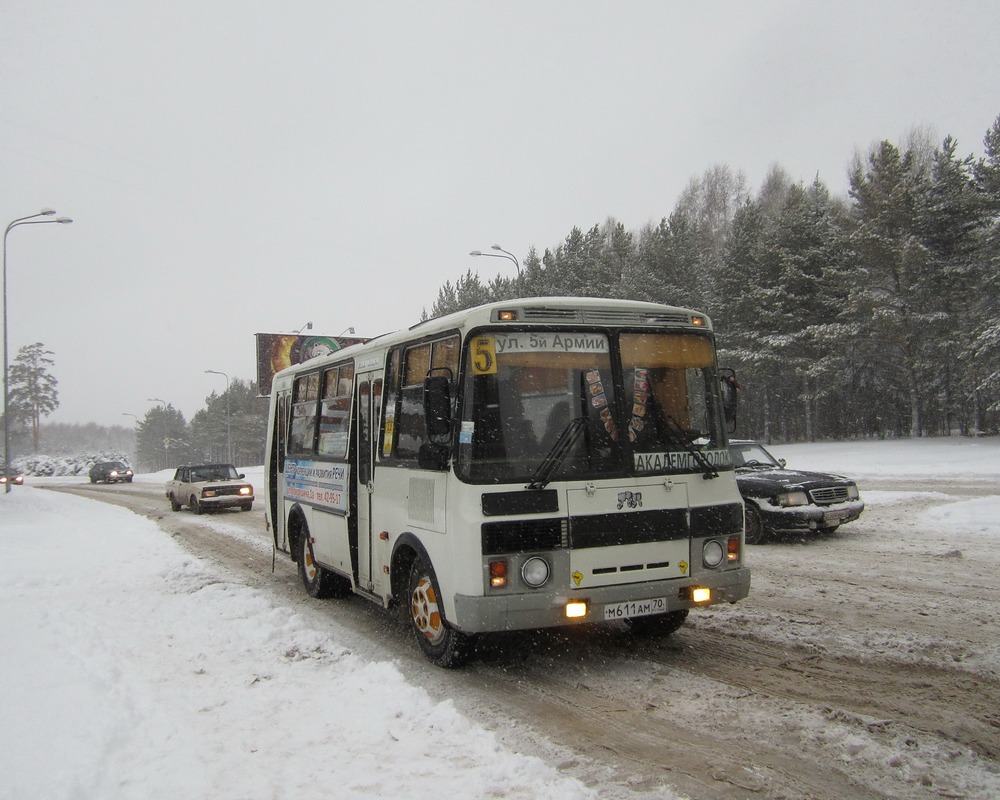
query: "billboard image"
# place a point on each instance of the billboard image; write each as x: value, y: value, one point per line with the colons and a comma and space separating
x: 275, y: 351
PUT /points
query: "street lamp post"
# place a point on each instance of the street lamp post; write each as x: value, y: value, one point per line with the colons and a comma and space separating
x: 503, y: 254
x: 229, y: 432
x: 28, y: 220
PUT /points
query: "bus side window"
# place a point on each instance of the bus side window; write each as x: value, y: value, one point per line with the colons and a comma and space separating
x: 404, y: 413
x: 410, y: 427
x: 302, y: 425
x: 387, y: 435
x: 335, y: 415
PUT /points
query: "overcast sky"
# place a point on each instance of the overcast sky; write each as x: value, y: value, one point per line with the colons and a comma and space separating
x: 242, y: 167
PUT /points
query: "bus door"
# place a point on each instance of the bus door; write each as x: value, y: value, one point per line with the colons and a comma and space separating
x: 276, y: 471
x: 367, y: 406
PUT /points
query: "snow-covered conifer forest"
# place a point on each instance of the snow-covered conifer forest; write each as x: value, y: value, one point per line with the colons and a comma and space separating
x: 871, y: 315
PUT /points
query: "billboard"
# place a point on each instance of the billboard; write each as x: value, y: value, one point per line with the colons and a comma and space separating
x: 275, y: 351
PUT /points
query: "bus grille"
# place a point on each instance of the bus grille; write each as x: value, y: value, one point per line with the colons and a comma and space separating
x: 524, y: 536
x: 610, y: 530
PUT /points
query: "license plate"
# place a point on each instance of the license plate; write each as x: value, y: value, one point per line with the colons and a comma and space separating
x: 636, y: 608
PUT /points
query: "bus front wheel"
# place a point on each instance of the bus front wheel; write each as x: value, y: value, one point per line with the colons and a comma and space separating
x: 442, y: 644
x: 319, y: 583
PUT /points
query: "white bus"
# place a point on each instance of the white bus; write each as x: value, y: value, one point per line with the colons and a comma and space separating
x: 524, y: 464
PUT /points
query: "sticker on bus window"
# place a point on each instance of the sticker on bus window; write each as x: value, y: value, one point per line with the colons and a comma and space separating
x: 390, y: 426
x: 465, y: 434
x: 484, y: 356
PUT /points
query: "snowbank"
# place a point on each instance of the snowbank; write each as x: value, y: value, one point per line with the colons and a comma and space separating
x: 128, y: 669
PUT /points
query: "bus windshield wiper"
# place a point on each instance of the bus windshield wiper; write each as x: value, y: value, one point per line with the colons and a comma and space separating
x: 557, y: 454
x: 680, y: 436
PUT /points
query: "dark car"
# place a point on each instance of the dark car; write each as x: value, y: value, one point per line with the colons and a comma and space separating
x: 110, y: 472
x: 780, y: 500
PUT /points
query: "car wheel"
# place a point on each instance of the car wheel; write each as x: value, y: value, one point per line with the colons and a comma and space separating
x: 195, y: 505
x: 246, y: 507
x: 319, y: 582
x: 174, y: 505
x: 93, y: 479
x: 754, y: 525
x: 441, y: 643
x: 658, y: 624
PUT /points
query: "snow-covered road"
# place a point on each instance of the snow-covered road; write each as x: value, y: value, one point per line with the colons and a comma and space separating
x: 161, y: 657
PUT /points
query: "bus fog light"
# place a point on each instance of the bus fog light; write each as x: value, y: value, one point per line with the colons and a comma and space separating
x: 700, y: 594
x: 576, y: 609
x: 535, y: 572
x: 712, y: 553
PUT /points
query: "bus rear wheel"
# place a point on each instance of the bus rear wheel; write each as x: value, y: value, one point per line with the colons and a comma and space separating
x: 440, y: 643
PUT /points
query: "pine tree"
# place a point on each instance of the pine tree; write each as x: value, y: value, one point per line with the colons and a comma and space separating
x: 985, y: 350
x: 887, y: 281
x: 163, y: 439
x: 32, y: 390
x: 954, y: 218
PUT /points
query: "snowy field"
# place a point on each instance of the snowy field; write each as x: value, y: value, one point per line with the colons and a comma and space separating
x: 130, y: 669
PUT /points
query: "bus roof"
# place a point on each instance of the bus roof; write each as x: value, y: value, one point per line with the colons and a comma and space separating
x: 539, y: 311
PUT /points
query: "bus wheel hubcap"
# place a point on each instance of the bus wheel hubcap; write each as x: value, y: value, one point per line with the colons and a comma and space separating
x: 425, y: 612
x: 307, y: 560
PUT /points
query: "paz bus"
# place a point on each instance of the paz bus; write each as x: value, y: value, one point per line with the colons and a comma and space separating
x: 524, y: 464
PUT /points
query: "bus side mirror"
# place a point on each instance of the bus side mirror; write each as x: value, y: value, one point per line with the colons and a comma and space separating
x: 437, y: 409
x: 730, y: 398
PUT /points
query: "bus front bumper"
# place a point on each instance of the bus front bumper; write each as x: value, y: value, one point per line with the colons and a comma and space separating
x: 546, y: 609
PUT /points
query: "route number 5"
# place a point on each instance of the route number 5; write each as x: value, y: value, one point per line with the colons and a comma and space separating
x: 484, y: 356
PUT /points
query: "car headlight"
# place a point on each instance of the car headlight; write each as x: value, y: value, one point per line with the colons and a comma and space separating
x: 713, y: 553
x: 852, y: 492
x: 245, y: 490
x: 798, y: 498
x: 535, y: 572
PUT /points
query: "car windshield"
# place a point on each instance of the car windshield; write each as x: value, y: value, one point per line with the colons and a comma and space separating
x: 214, y: 472
x: 751, y: 454
x: 556, y: 404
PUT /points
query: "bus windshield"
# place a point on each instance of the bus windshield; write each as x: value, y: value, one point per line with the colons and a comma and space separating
x: 618, y: 404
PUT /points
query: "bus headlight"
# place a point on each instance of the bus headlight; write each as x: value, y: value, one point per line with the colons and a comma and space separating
x: 712, y: 553
x: 535, y: 572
